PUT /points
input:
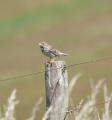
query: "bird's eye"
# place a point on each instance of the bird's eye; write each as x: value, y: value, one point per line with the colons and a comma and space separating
x: 42, y: 47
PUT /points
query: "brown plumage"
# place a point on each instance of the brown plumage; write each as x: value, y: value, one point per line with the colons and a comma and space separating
x: 50, y: 52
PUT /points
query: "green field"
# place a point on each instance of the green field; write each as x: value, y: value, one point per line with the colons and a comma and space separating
x: 81, y: 28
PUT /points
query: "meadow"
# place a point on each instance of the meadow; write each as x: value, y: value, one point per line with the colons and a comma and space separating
x: 83, y: 29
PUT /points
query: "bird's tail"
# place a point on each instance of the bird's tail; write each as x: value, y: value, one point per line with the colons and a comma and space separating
x: 64, y: 54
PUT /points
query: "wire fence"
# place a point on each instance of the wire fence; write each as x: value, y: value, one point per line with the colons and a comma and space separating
x: 77, y: 109
x: 72, y: 108
x: 69, y: 66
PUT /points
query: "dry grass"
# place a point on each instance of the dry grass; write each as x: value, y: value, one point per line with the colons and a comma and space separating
x: 87, y: 110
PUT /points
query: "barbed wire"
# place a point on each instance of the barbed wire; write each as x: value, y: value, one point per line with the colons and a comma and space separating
x: 91, y: 61
x: 20, y: 76
x: 72, y: 109
x: 77, y: 109
x: 68, y: 66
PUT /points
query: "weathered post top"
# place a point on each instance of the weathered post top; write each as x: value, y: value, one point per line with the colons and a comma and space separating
x: 56, y: 84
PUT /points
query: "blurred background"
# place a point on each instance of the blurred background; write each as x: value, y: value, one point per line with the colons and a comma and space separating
x: 81, y: 28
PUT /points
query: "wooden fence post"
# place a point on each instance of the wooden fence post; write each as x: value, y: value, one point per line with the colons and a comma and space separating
x: 56, y: 84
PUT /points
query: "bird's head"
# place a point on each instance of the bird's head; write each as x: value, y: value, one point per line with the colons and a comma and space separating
x: 42, y: 44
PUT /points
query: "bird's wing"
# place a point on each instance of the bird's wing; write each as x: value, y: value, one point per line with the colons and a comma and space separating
x: 54, y: 52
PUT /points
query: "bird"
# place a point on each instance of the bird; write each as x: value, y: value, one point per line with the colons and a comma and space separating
x: 49, y: 51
